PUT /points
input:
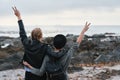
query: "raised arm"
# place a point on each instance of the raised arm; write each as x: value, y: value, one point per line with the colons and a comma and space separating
x: 21, y: 26
x: 17, y: 13
x: 67, y: 58
x: 86, y: 27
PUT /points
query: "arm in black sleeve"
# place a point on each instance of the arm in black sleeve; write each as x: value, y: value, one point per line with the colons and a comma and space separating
x: 22, y: 32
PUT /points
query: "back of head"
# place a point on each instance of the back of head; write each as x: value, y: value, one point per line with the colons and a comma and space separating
x: 59, y: 41
x: 36, y: 33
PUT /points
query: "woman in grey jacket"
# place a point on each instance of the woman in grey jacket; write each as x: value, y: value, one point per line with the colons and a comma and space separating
x: 59, y: 52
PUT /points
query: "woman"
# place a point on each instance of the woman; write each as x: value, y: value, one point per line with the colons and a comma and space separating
x: 34, y: 49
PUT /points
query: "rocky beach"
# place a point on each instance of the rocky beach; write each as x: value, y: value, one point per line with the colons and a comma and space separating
x: 98, y: 57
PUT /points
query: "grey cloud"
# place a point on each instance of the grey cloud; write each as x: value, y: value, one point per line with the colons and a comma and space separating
x: 57, y: 5
x: 48, y: 6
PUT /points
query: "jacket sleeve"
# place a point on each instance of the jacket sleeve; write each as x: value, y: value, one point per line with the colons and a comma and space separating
x: 22, y: 33
x: 40, y: 71
x: 67, y: 58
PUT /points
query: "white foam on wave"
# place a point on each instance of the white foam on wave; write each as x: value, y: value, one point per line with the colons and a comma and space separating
x: 5, y: 45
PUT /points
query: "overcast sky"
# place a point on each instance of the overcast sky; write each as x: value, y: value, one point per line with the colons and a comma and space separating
x: 61, y: 12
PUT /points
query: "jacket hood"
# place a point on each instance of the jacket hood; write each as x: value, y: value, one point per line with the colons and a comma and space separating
x: 57, y: 55
x: 34, y: 46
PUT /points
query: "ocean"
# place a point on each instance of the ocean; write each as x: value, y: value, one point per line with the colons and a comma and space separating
x: 49, y: 31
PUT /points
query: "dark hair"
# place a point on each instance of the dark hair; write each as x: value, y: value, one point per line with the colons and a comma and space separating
x: 59, y: 41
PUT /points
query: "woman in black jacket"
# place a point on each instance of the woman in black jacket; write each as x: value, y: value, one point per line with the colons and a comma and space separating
x: 34, y: 49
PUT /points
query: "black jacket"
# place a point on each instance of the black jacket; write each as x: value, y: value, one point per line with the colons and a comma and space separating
x: 34, y: 49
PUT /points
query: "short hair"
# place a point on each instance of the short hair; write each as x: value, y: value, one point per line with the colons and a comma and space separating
x: 59, y: 41
x: 36, y: 34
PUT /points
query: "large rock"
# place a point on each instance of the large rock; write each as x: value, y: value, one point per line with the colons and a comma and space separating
x: 11, y: 62
x: 96, y: 48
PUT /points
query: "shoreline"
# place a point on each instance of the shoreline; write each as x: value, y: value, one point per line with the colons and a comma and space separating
x: 87, y: 74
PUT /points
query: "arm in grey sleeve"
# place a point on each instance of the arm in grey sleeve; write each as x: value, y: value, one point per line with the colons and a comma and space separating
x: 68, y: 56
x: 40, y: 71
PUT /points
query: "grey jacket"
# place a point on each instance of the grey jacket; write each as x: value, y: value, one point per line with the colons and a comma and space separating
x: 64, y: 60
